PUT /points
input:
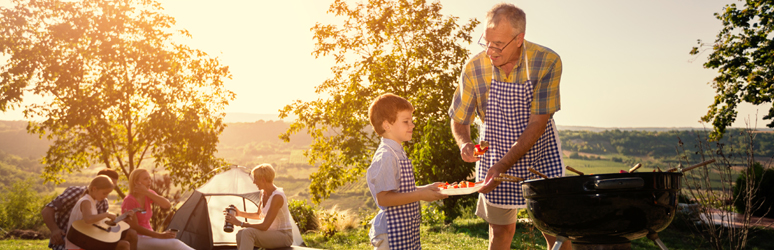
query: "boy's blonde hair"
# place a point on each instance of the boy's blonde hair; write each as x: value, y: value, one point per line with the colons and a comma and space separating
x: 386, y: 108
x: 134, y: 176
x: 265, y: 171
x: 101, y: 182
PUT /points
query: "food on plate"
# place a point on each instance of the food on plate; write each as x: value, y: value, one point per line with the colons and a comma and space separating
x: 462, y: 184
x: 481, y: 148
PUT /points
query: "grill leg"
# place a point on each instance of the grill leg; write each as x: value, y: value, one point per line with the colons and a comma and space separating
x: 654, y: 237
x: 559, y: 240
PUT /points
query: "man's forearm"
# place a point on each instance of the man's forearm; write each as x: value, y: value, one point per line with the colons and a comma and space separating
x: 533, y: 132
x: 48, y: 218
x: 461, y: 133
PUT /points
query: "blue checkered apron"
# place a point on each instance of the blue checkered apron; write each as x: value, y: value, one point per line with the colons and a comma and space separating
x: 507, y: 115
x: 403, y: 221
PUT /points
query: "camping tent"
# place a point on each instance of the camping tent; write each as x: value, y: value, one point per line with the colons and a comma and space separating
x: 200, y: 219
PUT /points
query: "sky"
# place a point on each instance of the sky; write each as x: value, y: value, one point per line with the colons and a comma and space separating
x: 625, y: 63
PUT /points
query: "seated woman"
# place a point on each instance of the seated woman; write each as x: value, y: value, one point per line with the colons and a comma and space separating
x: 140, y: 196
x: 275, y: 228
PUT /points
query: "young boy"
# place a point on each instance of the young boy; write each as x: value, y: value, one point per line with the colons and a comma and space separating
x: 391, y: 177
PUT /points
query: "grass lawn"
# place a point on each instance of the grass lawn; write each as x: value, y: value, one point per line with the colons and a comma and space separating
x: 471, y: 233
x: 24, y: 244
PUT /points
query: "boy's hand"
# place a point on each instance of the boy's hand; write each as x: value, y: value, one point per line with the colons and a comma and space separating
x: 111, y: 216
x: 431, y: 192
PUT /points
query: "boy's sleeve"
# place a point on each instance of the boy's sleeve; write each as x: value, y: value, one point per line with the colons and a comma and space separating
x: 383, y: 174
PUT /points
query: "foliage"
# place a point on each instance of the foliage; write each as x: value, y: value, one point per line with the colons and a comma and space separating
x: 20, y: 206
x: 742, y: 54
x: 304, y: 214
x: 163, y: 187
x: 699, y: 186
x: 657, y: 144
x: 329, y: 221
x: 12, y: 173
x: 762, y: 199
x: 404, y: 47
x: 119, y: 90
x: 432, y: 214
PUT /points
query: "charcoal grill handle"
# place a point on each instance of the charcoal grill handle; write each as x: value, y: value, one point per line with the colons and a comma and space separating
x: 619, y: 183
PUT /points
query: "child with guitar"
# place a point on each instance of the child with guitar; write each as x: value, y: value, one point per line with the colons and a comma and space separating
x: 140, y: 196
x: 86, y: 209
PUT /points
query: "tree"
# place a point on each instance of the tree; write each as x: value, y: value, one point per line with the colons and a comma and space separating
x: 120, y: 92
x: 404, y: 47
x: 743, y: 53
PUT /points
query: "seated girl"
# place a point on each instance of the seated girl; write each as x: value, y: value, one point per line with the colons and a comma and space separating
x: 275, y: 228
x: 86, y: 209
x: 140, y: 196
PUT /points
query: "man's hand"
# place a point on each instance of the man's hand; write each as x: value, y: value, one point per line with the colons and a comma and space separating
x: 57, y: 237
x: 466, y: 151
x: 489, y: 182
x: 431, y: 192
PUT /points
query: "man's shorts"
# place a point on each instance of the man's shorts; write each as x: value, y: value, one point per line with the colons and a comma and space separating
x: 495, y: 215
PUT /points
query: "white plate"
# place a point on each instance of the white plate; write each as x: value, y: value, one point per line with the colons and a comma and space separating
x: 461, y: 191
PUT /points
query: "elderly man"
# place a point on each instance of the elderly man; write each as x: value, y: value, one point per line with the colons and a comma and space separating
x: 513, y: 87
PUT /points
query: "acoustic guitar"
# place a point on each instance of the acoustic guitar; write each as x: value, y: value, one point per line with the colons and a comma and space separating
x: 104, y: 234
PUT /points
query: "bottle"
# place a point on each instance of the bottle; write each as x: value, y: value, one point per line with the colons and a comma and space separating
x: 228, y: 227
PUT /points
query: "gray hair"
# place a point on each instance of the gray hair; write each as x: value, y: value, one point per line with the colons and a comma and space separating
x: 514, y: 15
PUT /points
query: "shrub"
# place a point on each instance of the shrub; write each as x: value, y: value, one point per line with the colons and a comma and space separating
x: 764, y: 195
x: 432, y: 215
x: 329, y: 219
x: 575, y: 155
x: 20, y: 206
x: 304, y: 214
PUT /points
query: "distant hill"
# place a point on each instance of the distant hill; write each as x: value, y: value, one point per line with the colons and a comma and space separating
x: 250, y: 117
x: 15, y: 140
x: 242, y: 129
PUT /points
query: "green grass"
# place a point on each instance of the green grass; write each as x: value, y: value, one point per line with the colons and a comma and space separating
x: 24, y: 244
x: 594, y: 166
x: 472, y: 233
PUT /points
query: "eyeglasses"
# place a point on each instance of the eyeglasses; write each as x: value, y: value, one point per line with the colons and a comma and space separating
x: 498, y: 50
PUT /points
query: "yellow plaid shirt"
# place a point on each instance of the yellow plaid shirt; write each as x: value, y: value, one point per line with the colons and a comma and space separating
x: 545, y: 68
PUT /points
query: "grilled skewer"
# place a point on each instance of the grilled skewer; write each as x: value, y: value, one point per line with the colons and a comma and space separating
x: 511, y: 177
x: 631, y: 170
x: 573, y: 170
x: 506, y: 179
x: 537, y: 173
